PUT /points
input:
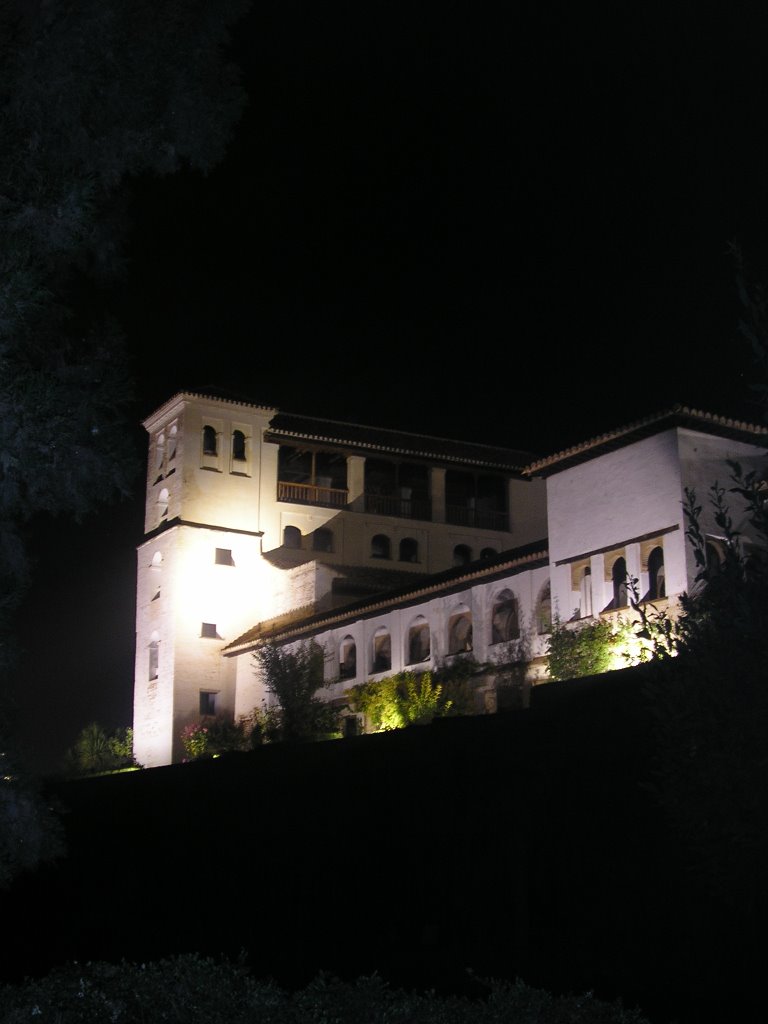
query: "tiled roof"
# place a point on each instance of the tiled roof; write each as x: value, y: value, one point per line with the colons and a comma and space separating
x: 306, y: 621
x: 351, y: 437
x: 207, y: 394
x: 288, y: 427
x: 676, y: 416
x: 373, y: 579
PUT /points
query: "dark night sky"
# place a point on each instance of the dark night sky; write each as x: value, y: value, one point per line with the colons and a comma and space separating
x: 510, y: 227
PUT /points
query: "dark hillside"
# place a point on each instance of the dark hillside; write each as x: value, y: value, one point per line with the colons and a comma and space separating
x: 518, y: 844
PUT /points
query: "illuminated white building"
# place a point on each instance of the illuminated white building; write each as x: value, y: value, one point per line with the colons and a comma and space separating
x: 392, y: 550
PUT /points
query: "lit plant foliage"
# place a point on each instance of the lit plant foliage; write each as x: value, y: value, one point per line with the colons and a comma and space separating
x: 399, y: 700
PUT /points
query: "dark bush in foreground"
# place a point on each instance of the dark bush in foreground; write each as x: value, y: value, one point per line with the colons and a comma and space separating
x: 189, y: 989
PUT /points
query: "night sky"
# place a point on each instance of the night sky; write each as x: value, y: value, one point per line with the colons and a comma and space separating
x: 508, y: 227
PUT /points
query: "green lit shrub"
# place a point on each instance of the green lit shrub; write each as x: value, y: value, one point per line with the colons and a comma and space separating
x: 294, y: 676
x: 586, y: 648
x: 96, y: 750
x: 397, y: 701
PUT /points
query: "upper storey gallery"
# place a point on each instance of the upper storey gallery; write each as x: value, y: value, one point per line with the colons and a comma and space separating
x: 336, y: 491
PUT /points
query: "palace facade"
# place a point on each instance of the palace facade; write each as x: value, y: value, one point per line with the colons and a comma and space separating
x: 395, y: 551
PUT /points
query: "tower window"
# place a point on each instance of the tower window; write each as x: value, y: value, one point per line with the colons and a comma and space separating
x: 154, y: 658
x: 224, y: 556
x: 210, y: 446
x: 208, y: 629
x: 238, y: 446
x: 162, y: 502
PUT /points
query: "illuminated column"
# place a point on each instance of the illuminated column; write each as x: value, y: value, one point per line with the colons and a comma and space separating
x: 437, y: 494
x: 356, y: 482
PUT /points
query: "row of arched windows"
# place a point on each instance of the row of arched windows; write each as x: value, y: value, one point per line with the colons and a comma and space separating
x: 381, y: 546
x: 619, y: 583
x: 164, y: 450
x: 505, y: 627
x: 211, y: 443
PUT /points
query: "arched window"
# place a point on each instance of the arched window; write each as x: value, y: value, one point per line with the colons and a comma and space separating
x: 409, y: 550
x: 487, y: 553
x: 505, y: 620
x: 544, y: 611
x: 157, y: 559
x: 462, y: 554
x: 154, y: 656
x: 322, y: 539
x: 460, y: 631
x: 238, y: 446
x: 174, y: 433
x: 656, y: 581
x: 382, y: 650
x: 619, y: 580
x: 347, y: 658
x: 292, y: 537
x: 380, y: 546
x: 418, y: 641
x: 162, y: 502
x: 585, y: 593
x: 210, y: 446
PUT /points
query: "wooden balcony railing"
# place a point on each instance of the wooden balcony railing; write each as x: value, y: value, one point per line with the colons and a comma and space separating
x: 391, y: 505
x: 311, y: 494
x: 483, y: 519
x: 403, y: 508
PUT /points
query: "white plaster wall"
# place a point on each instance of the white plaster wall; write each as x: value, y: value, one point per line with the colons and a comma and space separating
x: 479, y: 598
x: 220, y: 491
x: 625, y: 493
x: 153, y: 699
x: 250, y: 691
x: 193, y: 589
x: 612, y: 499
x: 527, y: 511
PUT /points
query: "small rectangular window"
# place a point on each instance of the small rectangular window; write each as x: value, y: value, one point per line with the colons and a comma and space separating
x: 208, y: 702
x: 153, y: 660
x: 224, y: 556
x: 208, y: 629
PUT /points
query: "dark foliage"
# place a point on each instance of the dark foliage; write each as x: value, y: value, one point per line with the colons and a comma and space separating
x: 710, y: 771
x: 93, y: 96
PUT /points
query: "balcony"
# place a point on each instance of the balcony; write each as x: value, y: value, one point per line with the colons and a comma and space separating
x: 396, y: 506
x: 478, y: 518
x: 312, y: 494
x: 403, y: 508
